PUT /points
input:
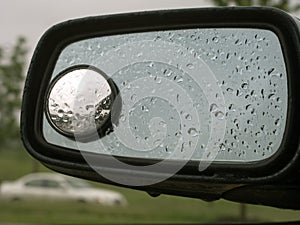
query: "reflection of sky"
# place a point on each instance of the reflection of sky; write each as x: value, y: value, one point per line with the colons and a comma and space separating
x: 31, y: 18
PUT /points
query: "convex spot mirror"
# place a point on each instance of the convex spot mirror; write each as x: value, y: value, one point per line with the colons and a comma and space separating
x: 168, y: 94
x: 80, y: 101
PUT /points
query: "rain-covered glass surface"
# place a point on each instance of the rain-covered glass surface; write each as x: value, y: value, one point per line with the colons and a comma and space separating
x: 210, y: 94
x: 75, y: 109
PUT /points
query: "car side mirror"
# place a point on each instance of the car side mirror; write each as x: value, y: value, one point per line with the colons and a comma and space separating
x: 201, y: 103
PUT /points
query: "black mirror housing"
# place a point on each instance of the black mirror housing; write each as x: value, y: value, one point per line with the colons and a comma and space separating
x: 273, y: 182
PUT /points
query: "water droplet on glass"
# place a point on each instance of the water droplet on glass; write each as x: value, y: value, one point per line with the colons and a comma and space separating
x: 239, y: 93
x: 277, y: 122
x: 188, y: 117
x: 193, y: 132
x: 190, y: 66
x: 219, y: 115
x: 88, y: 107
x: 244, y: 86
x: 157, y: 79
x: 168, y: 73
x: 222, y: 147
x: 157, y: 142
x: 60, y: 113
x: 133, y: 97
x: 215, y: 39
x: 151, y: 65
x: 145, y: 108
x: 213, y: 107
x: 180, y: 80
x: 178, y: 134
x: 230, y: 90
x: 162, y: 123
x: 231, y: 107
x: 54, y: 118
x: 70, y: 114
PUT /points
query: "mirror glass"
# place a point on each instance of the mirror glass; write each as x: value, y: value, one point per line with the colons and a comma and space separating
x: 79, y: 100
x: 204, y: 94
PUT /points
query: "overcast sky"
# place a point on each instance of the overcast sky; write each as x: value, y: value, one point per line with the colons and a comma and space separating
x: 30, y: 18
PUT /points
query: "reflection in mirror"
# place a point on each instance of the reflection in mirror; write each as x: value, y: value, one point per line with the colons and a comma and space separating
x: 208, y: 94
x: 79, y: 101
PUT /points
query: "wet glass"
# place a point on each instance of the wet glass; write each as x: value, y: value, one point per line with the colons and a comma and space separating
x: 218, y: 94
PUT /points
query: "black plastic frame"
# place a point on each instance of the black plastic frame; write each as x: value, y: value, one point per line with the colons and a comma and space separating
x: 71, y: 162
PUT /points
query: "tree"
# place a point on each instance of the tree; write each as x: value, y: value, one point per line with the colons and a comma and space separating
x: 12, y: 67
x: 281, y: 4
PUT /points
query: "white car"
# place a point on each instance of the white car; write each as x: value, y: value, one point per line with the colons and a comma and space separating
x: 58, y: 187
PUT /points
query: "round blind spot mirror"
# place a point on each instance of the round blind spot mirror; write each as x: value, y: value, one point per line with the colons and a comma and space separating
x: 80, y: 102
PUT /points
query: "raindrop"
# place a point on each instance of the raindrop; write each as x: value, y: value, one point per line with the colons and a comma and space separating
x: 220, y: 115
x: 180, y: 80
x: 162, y: 123
x: 157, y: 142
x: 182, y: 147
x: 270, y: 71
x: 60, y: 113
x: 193, y: 132
x: 233, y: 145
x: 178, y: 134
x: 278, y: 99
x: 168, y: 73
x: 157, y: 80
x: 277, y: 122
x: 133, y: 97
x: 244, y: 86
x: 151, y: 65
x: 188, y: 117
x: 167, y: 148
x: 190, y: 66
x: 249, y: 122
x: 229, y: 90
x: 275, y: 132
x: 248, y: 106
x: 65, y: 120
x: 215, y: 39
x: 213, y: 107
x: 177, y: 97
x: 145, y: 108
x: 70, y: 114
x: 258, y: 134
x: 239, y: 93
x: 128, y: 86
x: 54, y: 118
x: 270, y: 96
x: 222, y: 147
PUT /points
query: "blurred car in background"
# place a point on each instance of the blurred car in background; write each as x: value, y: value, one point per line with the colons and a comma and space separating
x: 58, y: 187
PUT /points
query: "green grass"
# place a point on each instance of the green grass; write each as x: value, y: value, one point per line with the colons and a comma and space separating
x: 141, y: 207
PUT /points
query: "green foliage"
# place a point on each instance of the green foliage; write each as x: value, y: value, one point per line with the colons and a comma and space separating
x: 11, y: 80
x: 281, y: 4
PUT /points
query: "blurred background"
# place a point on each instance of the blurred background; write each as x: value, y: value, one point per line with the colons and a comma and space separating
x: 22, y: 24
